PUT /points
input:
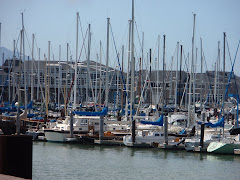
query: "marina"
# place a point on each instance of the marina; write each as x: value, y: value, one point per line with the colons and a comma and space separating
x: 122, y: 110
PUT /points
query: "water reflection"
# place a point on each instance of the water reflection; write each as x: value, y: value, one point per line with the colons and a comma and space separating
x: 60, y: 161
x: 154, y: 152
x: 222, y: 157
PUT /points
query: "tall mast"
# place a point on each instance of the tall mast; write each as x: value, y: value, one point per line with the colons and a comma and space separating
x: 191, y: 75
x: 107, y: 59
x: 223, y: 86
x: 9, y: 82
x: 0, y: 38
x: 163, y: 83
x: 66, y: 82
x: 96, y: 82
x: 158, y: 70
x: 47, y: 78
x: 32, y: 88
x: 0, y: 52
x: 132, y: 75
x: 127, y: 86
x: 171, y: 84
x: 218, y: 72
x: 150, y: 77
x: 201, y: 77
x: 46, y: 87
x: 117, y: 102
x: 0, y: 35
x: 132, y: 62
x: 139, y: 81
x: 215, y: 86
x: 25, y: 73
x: 180, y: 82
x: 194, y: 87
x: 14, y: 63
x: 59, y: 76
x: 67, y: 71
x: 122, y: 79
x: 75, y: 75
x: 88, y: 61
x: 100, y: 81
x: 55, y: 82
x: 186, y: 86
x: 142, y: 55
x: 2, y: 72
x: 176, y: 87
x: 19, y: 86
x: 38, y: 75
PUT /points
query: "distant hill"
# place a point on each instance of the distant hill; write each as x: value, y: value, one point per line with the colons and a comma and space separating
x: 8, y: 54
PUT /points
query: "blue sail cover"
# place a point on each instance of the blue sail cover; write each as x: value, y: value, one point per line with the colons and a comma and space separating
x: 85, y: 113
x: 29, y: 106
x: 159, y: 122
x: 7, y: 109
x: 218, y: 124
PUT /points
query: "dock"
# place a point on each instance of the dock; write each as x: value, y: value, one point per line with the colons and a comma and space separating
x: 200, y: 149
x: 109, y: 142
x: 8, y: 177
x: 171, y: 146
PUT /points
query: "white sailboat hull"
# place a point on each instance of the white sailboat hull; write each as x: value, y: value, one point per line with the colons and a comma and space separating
x: 223, y: 148
x: 56, y: 135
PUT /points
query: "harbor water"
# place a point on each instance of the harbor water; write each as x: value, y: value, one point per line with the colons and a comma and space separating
x: 76, y: 161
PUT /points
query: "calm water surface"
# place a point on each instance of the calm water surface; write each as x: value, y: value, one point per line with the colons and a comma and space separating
x: 75, y: 161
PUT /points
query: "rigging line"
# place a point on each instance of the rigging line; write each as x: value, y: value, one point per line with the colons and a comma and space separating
x: 103, y: 53
x: 51, y: 52
x: 37, y: 46
x: 16, y: 44
x: 185, y: 58
x: 27, y: 40
x: 80, y: 24
x: 207, y: 73
x: 118, y: 60
x: 138, y: 35
x: 73, y: 78
x: 231, y: 65
x: 229, y: 52
x: 70, y: 52
x: 82, y: 46
x: 230, y: 77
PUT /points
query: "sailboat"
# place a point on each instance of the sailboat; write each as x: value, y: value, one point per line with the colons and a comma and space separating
x: 227, y: 145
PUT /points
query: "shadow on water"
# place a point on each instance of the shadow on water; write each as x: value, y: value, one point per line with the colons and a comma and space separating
x: 79, y: 146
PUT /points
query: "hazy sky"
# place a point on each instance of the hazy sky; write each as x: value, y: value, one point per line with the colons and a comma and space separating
x: 55, y: 21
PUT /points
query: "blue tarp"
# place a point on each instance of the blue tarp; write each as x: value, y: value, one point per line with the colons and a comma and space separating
x: 218, y: 124
x: 183, y: 132
x: 14, y: 108
x: 31, y: 115
x: 29, y: 106
x: 159, y: 122
x: 85, y: 113
x: 37, y: 118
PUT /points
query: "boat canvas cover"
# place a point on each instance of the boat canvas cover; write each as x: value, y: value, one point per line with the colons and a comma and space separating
x: 159, y: 122
x: 218, y: 124
x: 85, y: 113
